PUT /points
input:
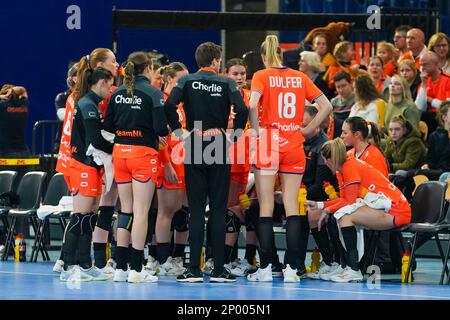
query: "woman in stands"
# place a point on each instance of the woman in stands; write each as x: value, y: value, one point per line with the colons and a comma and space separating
x: 172, y: 204
x: 135, y: 114
x: 104, y: 58
x: 356, y: 133
x: 355, y: 179
x: 85, y: 175
x: 409, y: 72
x: 379, y: 79
x: 281, y: 94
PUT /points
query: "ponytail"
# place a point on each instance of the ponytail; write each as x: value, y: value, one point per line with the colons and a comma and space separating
x: 270, y: 48
x: 367, y: 128
x: 92, y: 77
x: 135, y: 66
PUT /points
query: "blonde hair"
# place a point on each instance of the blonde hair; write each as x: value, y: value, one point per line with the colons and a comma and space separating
x: 406, y: 94
x: 270, y: 48
x: 336, y: 151
x: 411, y: 64
x: 312, y: 59
x: 436, y: 38
x: 341, y: 48
x: 389, y: 47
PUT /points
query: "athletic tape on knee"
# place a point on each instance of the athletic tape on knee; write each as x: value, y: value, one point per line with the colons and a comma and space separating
x: 125, y: 221
x: 180, y: 221
x: 104, y: 219
x: 232, y: 222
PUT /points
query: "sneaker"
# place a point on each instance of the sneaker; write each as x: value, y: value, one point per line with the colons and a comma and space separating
x: 301, y: 273
x: 59, y: 265
x: 349, y: 275
x: 74, y: 274
x: 142, y: 276
x: 191, y: 276
x: 332, y: 273
x: 152, y: 266
x: 262, y: 274
x: 242, y: 268
x: 228, y: 266
x: 108, y: 269
x: 178, y: 261
x: 277, y: 271
x: 208, y: 267
x: 225, y: 276
x: 120, y: 275
x: 324, y: 268
x: 290, y: 275
x: 112, y: 263
x: 96, y: 274
x: 170, y: 268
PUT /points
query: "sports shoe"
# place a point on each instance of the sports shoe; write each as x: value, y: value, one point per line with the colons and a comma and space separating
x: 142, y: 276
x: 225, y: 276
x: 152, y: 266
x: 208, y: 267
x: 112, y: 263
x: 290, y: 275
x: 324, y: 268
x: 170, y: 268
x: 228, y: 266
x: 349, y: 275
x: 120, y: 275
x: 96, y: 274
x: 242, y: 268
x: 107, y: 270
x: 74, y: 274
x: 277, y: 270
x: 336, y: 271
x: 178, y: 261
x: 59, y: 265
x: 191, y: 275
x: 262, y: 274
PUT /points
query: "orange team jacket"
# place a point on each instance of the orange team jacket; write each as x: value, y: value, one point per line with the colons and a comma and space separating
x: 439, y: 89
x: 240, y: 163
x: 373, y: 156
x: 356, y: 178
x: 165, y: 151
x: 390, y: 68
x: 408, y: 56
x: 282, y: 105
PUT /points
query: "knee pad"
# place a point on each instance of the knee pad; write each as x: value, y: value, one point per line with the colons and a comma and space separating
x: 104, y: 219
x: 180, y: 221
x: 88, y: 222
x: 125, y: 221
x: 233, y: 224
x: 251, y: 219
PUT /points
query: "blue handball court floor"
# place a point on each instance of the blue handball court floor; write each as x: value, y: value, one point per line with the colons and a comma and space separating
x: 36, y: 281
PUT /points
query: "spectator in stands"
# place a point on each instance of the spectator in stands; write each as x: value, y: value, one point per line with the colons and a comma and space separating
x: 309, y: 64
x: 408, y: 71
x: 404, y: 148
x: 415, y: 42
x: 316, y: 173
x: 14, y: 107
x: 342, y: 104
x: 400, y: 39
x: 434, y: 89
x: 438, y: 156
x: 369, y: 103
x: 401, y: 103
x: 439, y: 43
x: 379, y: 79
x: 320, y: 46
x: 344, y: 53
x: 386, y: 51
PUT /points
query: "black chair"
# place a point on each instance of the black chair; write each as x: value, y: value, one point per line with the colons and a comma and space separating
x: 7, y: 179
x: 428, y: 217
x: 56, y: 189
x: 30, y: 191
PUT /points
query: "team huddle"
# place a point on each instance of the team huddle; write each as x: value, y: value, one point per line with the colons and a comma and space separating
x: 169, y: 144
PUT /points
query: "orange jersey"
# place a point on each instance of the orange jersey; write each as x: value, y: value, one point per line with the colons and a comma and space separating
x: 65, y: 153
x: 439, y: 89
x: 390, y: 68
x: 282, y: 104
x: 373, y: 156
x: 239, y: 151
x: 356, y: 178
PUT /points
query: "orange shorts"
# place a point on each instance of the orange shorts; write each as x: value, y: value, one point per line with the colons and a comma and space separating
x: 141, y: 169
x: 179, y: 170
x: 84, y: 179
x: 290, y: 162
x: 240, y: 177
x: 401, y: 213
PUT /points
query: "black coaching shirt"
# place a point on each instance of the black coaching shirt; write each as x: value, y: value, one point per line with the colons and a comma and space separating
x: 86, y: 130
x: 13, y: 122
x: 137, y: 120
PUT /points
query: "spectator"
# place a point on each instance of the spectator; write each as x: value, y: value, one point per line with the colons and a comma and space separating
x: 342, y: 104
x: 415, y: 42
x: 320, y: 46
x: 405, y: 148
x: 409, y: 72
x: 344, y: 53
x: 439, y: 43
x: 376, y: 73
x: 400, y: 39
x: 434, y: 89
x: 386, y: 51
x: 310, y: 65
x: 401, y: 103
x: 369, y: 103
x: 14, y: 107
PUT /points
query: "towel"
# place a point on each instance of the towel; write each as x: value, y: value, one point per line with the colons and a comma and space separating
x: 104, y: 159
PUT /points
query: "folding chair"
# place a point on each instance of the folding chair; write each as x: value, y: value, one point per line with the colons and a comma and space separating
x: 30, y: 192
x: 7, y: 179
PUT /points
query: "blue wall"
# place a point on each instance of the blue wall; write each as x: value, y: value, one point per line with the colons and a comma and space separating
x: 37, y: 46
